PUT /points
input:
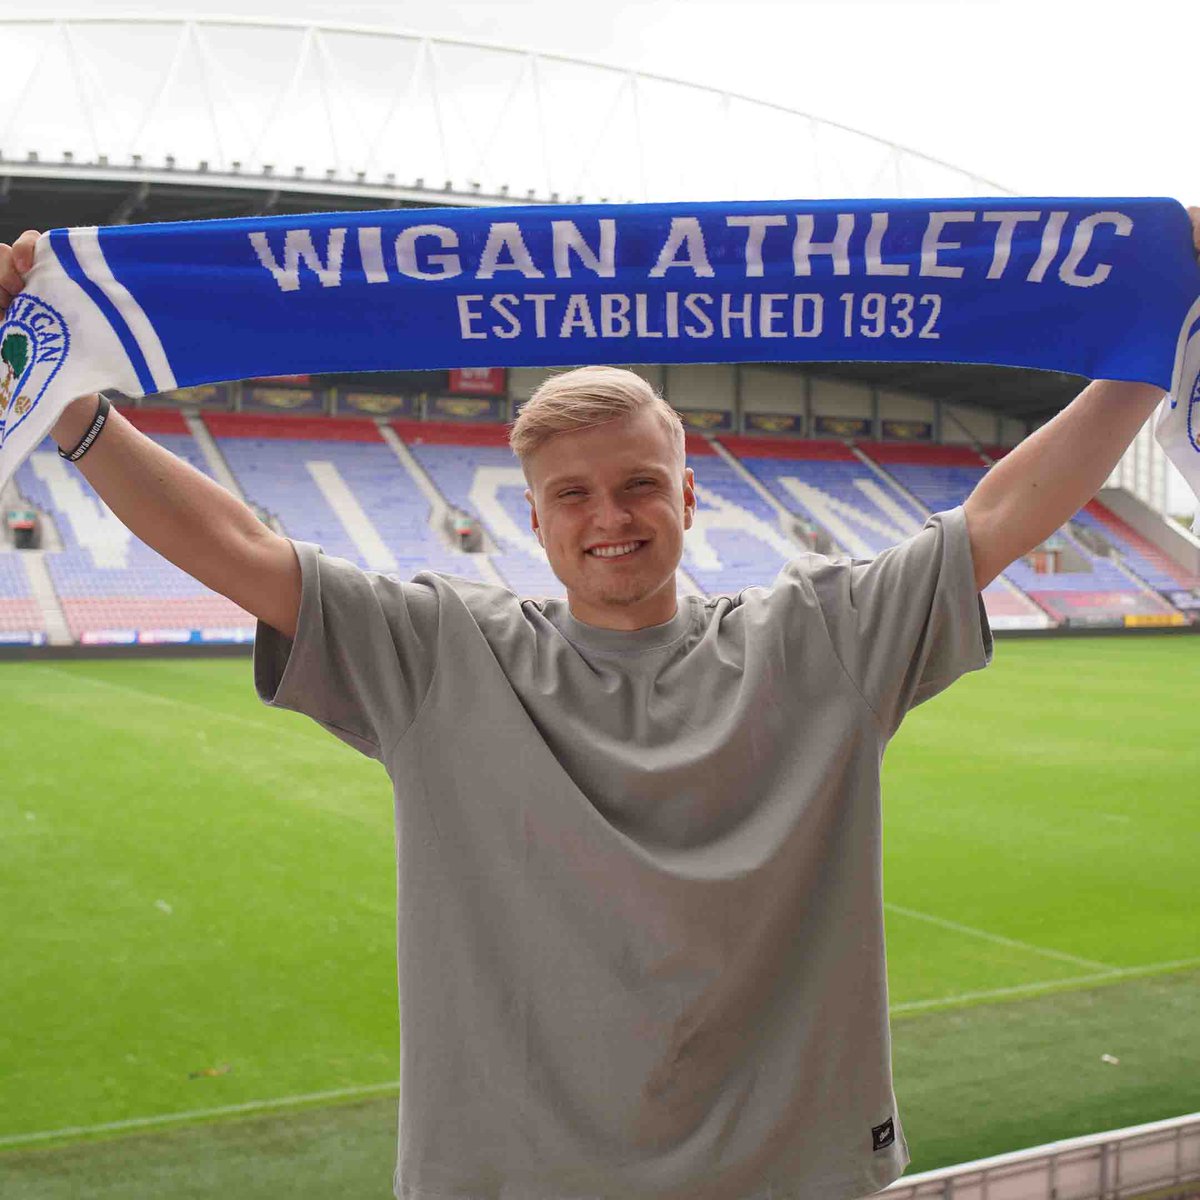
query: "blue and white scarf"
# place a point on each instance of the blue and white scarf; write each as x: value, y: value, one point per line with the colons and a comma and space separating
x: 1103, y: 288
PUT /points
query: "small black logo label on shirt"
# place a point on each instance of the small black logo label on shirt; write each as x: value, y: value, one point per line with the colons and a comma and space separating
x: 883, y: 1135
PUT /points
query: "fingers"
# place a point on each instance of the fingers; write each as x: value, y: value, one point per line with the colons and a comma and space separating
x: 10, y: 278
x: 16, y: 261
x: 23, y: 251
x: 1194, y: 212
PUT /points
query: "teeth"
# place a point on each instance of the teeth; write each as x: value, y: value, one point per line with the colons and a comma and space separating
x: 614, y: 551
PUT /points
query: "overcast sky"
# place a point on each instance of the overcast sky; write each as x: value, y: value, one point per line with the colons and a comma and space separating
x: 1046, y: 97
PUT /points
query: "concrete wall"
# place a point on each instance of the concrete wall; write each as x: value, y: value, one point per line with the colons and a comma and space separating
x: 768, y: 389
x: 702, y: 386
x: 961, y: 424
x: 839, y: 398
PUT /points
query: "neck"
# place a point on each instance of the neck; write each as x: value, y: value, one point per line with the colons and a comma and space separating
x: 655, y: 609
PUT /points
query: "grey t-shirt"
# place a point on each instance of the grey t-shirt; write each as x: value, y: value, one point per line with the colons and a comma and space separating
x: 641, y: 946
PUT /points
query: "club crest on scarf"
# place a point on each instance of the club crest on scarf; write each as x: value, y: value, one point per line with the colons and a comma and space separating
x: 33, y: 344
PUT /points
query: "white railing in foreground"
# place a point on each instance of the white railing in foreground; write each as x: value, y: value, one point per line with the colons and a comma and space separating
x: 1160, y: 1157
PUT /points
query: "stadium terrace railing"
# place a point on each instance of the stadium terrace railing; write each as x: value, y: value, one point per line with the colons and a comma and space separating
x: 1162, y: 1159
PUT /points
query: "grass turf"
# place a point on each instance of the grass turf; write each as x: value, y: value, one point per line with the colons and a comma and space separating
x: 211, y: 884
x: 991, y: 1077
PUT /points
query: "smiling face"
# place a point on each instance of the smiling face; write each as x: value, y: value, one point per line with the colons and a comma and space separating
x: 610, y: 504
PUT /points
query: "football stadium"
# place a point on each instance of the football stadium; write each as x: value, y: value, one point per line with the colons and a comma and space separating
x: 199, y: 955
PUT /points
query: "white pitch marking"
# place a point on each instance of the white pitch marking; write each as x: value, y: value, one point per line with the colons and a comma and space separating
x: 252, y: 1106
x: 1044, y: 985
x: 996, y: 937
x: 212, y: 714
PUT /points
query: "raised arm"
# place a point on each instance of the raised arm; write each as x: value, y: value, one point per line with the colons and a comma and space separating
x: 1054, y: 472
x: 173, y: 508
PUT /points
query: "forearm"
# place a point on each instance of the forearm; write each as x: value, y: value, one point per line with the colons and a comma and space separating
x: 167, y: 503
x: 1054, y: 472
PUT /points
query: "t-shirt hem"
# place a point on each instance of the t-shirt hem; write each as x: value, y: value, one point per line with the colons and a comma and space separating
x: 841, y: 1187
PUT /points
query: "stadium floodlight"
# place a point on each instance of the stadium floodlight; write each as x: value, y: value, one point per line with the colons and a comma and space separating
x: 68, y: 156
x: 202, y: 165
x: 298, y: 170
x: 136, y: 159
x: 235, y: 167
x: 32, y: 156
x: 102, y: 160
x: 331, y: 173
x: 448, y: 186
x: 503, y: 189
x: 268, y: 168
x: 170, y: 160
x: 390, y: 179
x: 360, y: 176
x: 419, y: 184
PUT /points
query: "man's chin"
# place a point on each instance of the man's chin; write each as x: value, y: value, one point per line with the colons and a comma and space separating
x: 619, y: 593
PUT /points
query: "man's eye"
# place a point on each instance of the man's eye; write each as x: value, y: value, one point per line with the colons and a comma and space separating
x: 641, y: 482
x: 572, y: 492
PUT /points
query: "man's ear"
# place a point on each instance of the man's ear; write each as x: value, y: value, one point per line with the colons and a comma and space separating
x: 534, y: 523
x: 689, y: 497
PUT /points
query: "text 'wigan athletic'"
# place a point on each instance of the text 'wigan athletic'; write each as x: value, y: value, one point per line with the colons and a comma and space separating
x: 847, y: 244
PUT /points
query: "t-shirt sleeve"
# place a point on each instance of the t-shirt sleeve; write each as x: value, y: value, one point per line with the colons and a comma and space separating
x: 907, y: 623
x: 363, y: 656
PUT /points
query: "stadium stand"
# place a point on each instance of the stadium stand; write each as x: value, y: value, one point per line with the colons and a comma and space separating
x: 828, y: 485
x: 831, y: 487
x: 735, y: 541
x: 112, y: 587
x: 1102, y: 592
x: 1142, y: 557
x: 389, y: 497
x: 21, y: 619
x: 473, y: 469
x: 337, y: 484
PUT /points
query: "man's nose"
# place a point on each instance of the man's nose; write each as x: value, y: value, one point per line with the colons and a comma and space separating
x: 613, y: 512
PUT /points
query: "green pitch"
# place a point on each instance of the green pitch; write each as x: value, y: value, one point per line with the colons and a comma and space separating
x: 197, y: 947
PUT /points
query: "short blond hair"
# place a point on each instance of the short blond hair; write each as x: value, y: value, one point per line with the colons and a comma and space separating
x: 584, y: 397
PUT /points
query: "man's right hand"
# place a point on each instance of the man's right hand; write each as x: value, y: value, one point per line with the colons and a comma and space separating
x: 190, y: 520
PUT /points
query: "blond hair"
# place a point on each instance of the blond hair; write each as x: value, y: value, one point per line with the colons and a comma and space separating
x: 584, y: 397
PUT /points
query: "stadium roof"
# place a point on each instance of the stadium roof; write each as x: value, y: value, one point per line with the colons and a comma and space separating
x: 166, y: 118
x: 275, y: 107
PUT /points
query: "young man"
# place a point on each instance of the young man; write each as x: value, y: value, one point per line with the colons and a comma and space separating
x: 640, y: 914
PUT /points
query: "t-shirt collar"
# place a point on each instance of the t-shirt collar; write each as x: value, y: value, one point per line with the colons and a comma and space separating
x: 597, y: 638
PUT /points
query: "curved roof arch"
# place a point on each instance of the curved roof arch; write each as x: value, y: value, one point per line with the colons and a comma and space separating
x: 379, y: 114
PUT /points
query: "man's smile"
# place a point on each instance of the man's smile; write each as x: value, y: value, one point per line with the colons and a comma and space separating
x: 615, y: 549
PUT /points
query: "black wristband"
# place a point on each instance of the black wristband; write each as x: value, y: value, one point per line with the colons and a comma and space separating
x: 92, y: 434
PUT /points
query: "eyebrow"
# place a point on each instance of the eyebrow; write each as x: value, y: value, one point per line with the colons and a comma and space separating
x: 562, y: 480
